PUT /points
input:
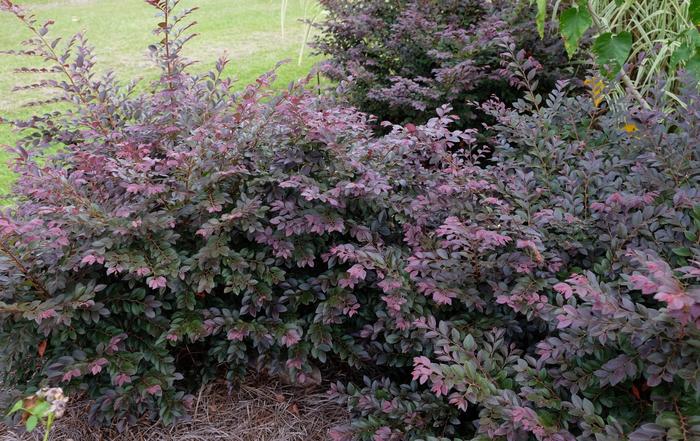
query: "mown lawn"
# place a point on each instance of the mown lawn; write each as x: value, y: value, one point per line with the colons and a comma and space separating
x: 249, y: 32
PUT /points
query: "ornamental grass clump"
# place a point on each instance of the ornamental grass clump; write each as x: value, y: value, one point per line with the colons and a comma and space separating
x: 167, y: 238
x: 633, y: 41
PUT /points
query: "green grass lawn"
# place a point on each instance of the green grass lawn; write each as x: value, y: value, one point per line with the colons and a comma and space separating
x: 247, y: 31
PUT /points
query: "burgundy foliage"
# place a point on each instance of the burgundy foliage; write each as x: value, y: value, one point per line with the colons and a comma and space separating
x: 166, y: 238
x: 399, y: 60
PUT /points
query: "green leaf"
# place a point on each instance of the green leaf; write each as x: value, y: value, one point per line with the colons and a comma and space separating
x: 31, y: 423
x: 16, y: 407
x: 541, y: 16
x: 547, y: 419
x: 696, y: 212
x: 574, y: 22
x: 469, y: 343
x: 41, y: 409
x: 694, y: 12
x: 686, y: 51
x: 682, y: 54
x: 693, y: 65
x: 381, y: 394
x: 392, y: 338
x: 612, y: 50
x: 683, y: 252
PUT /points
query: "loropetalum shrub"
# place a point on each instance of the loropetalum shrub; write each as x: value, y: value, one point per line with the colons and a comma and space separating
x: 563, y: 282
x: 184, y: 233
x: 190, y: 232
x: 399, y: 60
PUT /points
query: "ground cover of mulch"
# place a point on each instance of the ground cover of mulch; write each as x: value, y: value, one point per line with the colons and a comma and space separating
x: 257, y: 410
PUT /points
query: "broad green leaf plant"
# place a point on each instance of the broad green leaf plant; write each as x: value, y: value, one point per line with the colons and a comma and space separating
x: 665, y: 31
x: 44, y: 407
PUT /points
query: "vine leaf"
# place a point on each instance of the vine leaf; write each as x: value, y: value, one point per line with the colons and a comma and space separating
x: 688, y: 54
x: 574, y: 22
x: 693, y: 66
x: 612, y: 50
x: 694, y: 12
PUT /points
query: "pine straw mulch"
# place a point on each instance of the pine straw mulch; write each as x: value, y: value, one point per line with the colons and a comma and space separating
x: 257, y: 410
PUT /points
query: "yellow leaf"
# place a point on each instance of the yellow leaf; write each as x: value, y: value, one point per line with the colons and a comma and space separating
x: 597, y: 88
x: 630, y: 128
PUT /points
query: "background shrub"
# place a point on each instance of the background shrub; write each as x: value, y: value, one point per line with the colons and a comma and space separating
x: 399, y: 60
x: 188, y: 233
x: 563, y: 281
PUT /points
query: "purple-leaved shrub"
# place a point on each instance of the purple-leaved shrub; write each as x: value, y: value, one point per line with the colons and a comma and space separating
x: 563, y: 281
x: 189, y: 232
x: 181, y: 234
x: 399, y: 60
